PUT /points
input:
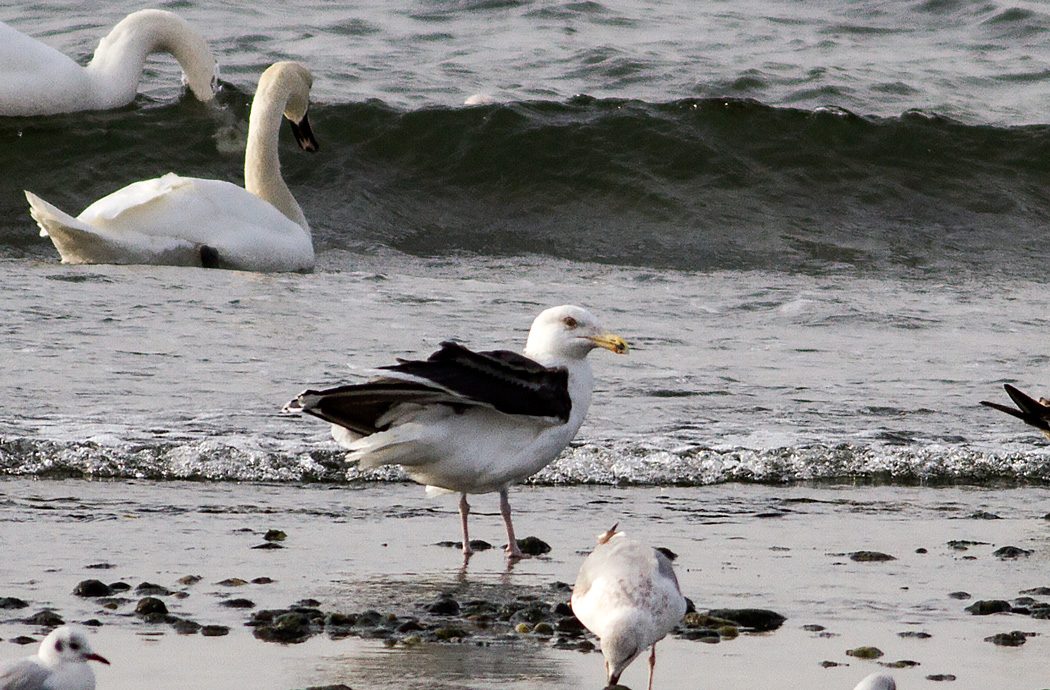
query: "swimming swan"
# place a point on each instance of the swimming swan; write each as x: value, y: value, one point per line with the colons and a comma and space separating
x: 36, y: 79
x: 188, y: 221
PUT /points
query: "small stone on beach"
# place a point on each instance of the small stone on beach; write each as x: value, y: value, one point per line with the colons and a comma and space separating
x: 1010, y: 639
x: 151, y: 606
x: 149, y: 589
x: 1011, y: 552
x: 92, y: 588
x: 870, y: 557
x: 45, y: 618
x: 238, y: 603
x: 986, y: 607
x: 533, y: 546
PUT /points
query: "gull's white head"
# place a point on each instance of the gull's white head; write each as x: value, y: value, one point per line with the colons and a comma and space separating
x: 569, y: 332
x: 877, y: 681
x: 67, y: 645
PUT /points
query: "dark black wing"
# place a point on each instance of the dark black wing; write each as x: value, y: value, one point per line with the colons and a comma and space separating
x: 1030, y: 410
x: 507, y: 381
x: 458, y: 377
x: 360, y: 407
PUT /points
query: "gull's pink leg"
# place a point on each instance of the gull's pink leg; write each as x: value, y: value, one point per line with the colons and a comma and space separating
x: 504, y: 509
x: 464, y: 511
x: 652, y: 666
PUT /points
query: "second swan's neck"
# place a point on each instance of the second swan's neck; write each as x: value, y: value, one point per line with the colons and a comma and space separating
x: 262, y: 167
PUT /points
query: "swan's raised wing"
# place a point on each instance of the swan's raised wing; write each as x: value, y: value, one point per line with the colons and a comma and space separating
x: 134, y: 196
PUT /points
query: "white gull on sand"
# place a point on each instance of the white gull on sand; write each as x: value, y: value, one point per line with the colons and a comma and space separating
x: 36, y: 79
x: 59, y: 664
x: 877, y: 681
x: 627, y: 595
x: 188, y: 221
x: 472, y: 422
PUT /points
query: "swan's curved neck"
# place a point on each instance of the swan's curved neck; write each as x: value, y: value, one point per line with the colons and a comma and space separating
x: 117, y: 64
x: 262, y: 167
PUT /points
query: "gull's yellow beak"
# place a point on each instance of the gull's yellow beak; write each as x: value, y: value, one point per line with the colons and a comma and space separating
x: 610, y: 341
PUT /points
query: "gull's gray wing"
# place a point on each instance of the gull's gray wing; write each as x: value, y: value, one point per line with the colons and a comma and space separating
x: 23, y: 674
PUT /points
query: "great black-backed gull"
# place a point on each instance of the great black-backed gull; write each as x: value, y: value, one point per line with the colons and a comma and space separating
x: 472, y: 422
x: 627, y: 595
x: 1029, y: 410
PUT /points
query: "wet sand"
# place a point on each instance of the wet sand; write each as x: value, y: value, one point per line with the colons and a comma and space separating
x: 373, y: 546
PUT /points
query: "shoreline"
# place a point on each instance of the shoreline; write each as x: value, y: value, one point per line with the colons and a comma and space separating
x: 354, y: 548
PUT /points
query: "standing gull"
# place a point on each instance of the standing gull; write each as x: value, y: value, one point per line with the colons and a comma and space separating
x: 59, y: 664
x: 472, y: 422
x: 627, y: 595
x: 1029, y: 410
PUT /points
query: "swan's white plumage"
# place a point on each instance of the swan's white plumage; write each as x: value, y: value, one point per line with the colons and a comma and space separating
x: 454, y: 441
x: 626, y: 593
x: 169, y: 219
x: 36, y: 79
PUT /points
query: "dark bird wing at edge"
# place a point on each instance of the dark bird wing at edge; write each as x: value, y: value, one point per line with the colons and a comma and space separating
x: 1030, y: 411
x: 454, y: 376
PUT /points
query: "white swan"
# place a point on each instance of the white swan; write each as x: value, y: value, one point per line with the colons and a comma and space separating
x: 36, y: 79
x: 188, y: 221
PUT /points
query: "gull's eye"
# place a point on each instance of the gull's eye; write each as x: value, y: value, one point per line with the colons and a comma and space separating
x: 570, y: 322
x: 75, y: 646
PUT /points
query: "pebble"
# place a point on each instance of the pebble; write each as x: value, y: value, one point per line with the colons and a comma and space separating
x: 870, y: 557
x: 533, y: 546
x: 45, y: 618
x: 151, y: 606
x: 148, y: 589
x: 865, y: 652
x: 1010, y: 639
x: 1011, y: 552
x: 13, y: 603
x: 756, y: 620
x: 475, y: 544
x: 92, y: 588
x: 985, y: 607
x: 238, y: 603
x: 184, y: 626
